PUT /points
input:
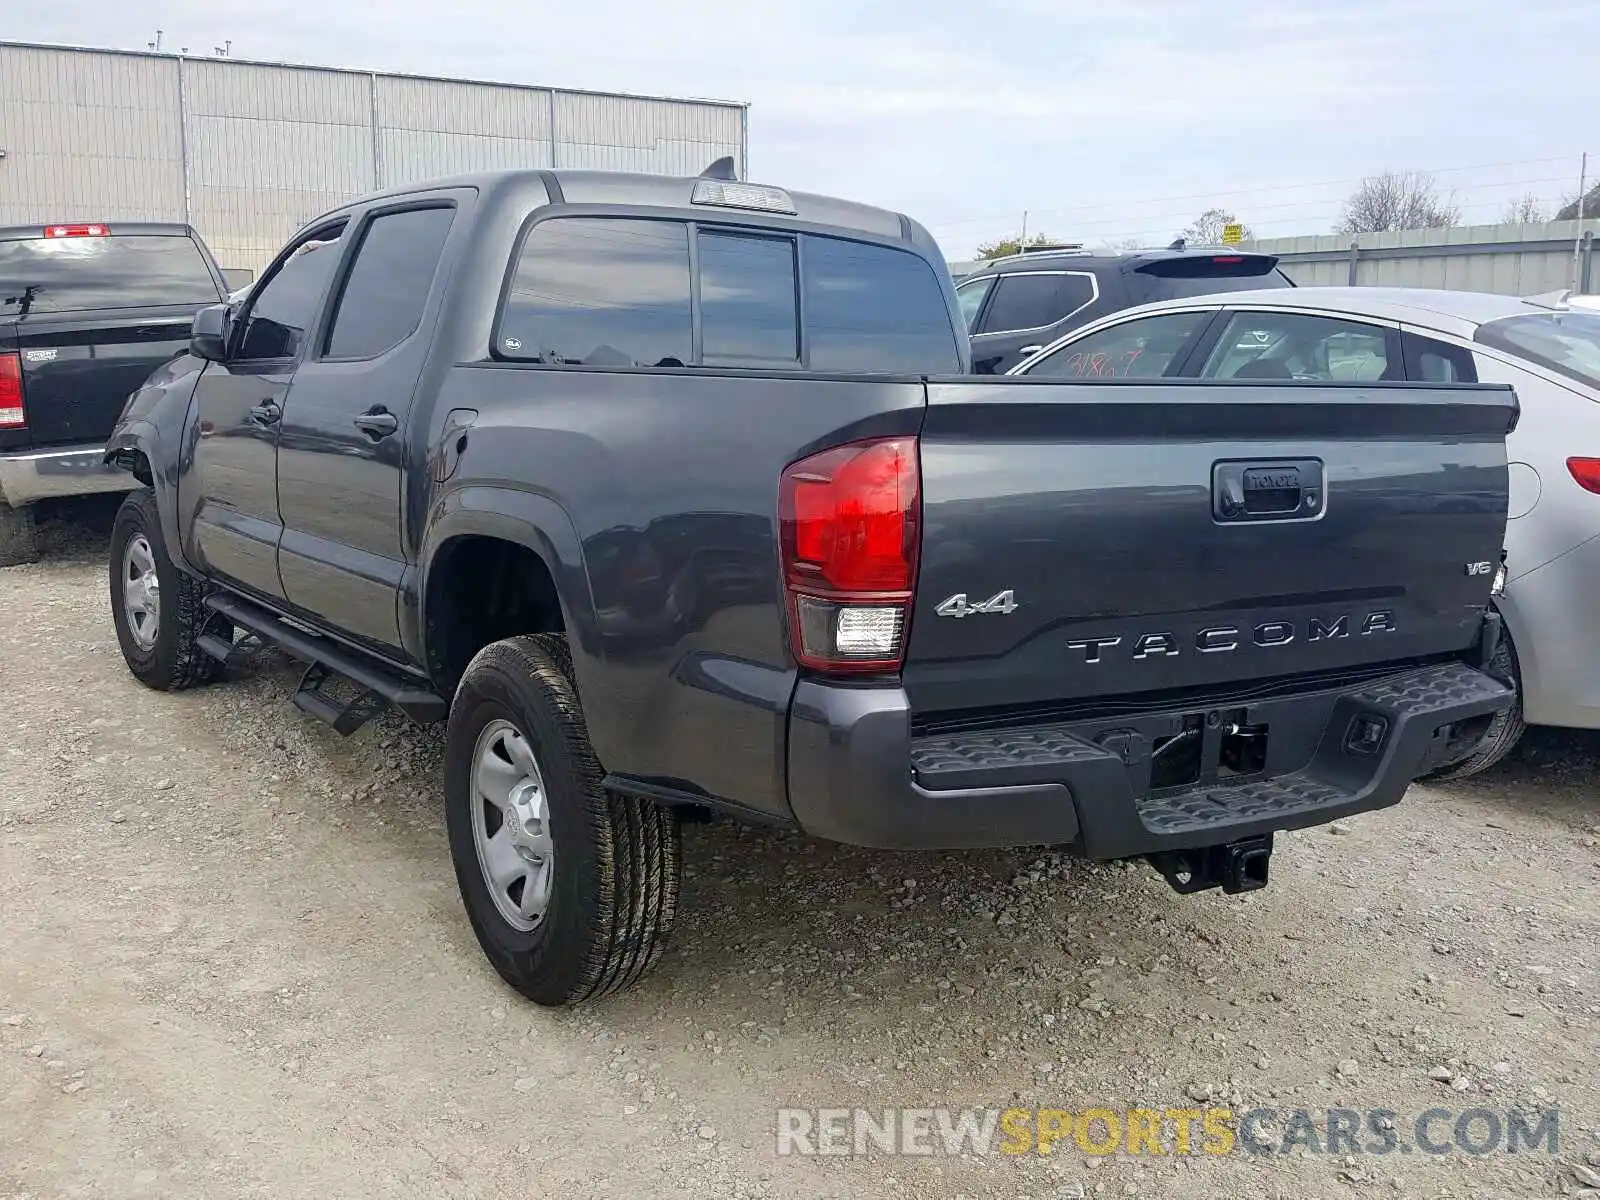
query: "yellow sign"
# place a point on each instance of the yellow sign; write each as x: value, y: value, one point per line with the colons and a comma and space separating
x: 1232, y: 235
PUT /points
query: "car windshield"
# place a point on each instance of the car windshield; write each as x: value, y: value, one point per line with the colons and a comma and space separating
x: 1567, y: 342
x: 62, y: 274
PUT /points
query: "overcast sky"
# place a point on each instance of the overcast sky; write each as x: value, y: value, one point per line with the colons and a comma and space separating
x: 1107, y: 119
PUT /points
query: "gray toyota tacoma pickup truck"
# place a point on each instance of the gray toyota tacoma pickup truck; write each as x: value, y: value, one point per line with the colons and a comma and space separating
x: 672, y: 496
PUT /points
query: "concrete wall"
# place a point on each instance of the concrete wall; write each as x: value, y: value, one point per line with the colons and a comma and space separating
x: 248, y: 151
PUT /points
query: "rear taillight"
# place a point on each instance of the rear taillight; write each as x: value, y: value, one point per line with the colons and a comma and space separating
x: 1586, y: 471
x: 70, y: 231
x: 11, y: 414
x: 849, y: 523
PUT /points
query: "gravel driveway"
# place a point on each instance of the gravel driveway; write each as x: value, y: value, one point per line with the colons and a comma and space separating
x: 235, y: 965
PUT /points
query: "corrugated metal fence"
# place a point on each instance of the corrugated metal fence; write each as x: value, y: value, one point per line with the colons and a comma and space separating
x: 247, y: 151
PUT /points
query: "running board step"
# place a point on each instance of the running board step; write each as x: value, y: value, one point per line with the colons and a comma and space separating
x: 378, y: 685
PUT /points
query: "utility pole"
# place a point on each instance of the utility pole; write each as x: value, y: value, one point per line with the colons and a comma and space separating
x: 1577, y: 241
x: 1023, y: 240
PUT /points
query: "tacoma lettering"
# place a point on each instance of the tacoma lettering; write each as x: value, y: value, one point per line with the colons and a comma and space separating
x: 1224, y: 639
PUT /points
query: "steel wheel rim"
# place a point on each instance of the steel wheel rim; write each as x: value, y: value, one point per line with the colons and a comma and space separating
x: 141, y: 592
x: 511, y: 825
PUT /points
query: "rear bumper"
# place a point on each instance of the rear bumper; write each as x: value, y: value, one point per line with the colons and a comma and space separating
x: 70, y: 471
x: 858, y: 775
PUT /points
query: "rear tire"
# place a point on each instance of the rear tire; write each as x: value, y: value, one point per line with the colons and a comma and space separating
x: 17, y: 542
x: 158, y: 646
x: 1505, y: 730
x: 521, y: 779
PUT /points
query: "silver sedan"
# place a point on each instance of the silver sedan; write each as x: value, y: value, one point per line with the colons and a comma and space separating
x: 1548, y: 348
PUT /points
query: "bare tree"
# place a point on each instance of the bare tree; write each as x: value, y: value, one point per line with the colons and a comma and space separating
x: 1121, y: 245
x: 1525, y: 210
x: 1591, y: 206
x: 1208, y: 226
x: 1397, y: 200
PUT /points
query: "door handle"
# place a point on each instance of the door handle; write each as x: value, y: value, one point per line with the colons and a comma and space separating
x: 266, y: 413
x: 377, y: 422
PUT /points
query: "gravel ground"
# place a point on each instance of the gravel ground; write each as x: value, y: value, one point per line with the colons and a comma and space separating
x: 236, y: 965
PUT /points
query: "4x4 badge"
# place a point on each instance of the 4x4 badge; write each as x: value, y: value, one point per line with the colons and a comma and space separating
x: 958, y: 606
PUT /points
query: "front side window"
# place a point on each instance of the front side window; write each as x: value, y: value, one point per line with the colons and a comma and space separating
x: 747, y: 298
x: 1301, y: 346
x: 972, y: 295
x: 601, y: 291
x: 875, y: 309
x: 1145, y: 348
x: 1565, y: 342
x: 285, y: 307
x: 388, y: 285
x: 67, y: 274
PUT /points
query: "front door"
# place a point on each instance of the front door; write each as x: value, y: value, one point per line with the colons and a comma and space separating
x: 231, y: 494
x: 342, y: 444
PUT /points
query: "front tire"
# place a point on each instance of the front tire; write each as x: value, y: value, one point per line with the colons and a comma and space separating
x: 157, y: 608
x: 1507, y: 728
x: 571, y: 889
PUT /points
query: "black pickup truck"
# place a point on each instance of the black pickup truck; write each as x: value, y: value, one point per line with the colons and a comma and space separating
x: 671, y: 495
x: 87, y: 311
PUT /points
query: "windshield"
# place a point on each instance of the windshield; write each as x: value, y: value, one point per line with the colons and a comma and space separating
x: 1567, y: 342
x: 39, y: 275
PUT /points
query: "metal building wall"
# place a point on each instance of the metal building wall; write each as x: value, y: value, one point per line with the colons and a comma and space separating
x: 249, y: 151
x: 88, y: 137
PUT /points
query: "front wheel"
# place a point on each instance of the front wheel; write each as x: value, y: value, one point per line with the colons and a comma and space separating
x: 570, y: 889
x: 157, y: 608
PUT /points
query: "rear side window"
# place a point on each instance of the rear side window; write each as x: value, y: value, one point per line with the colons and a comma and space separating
x: 1033, y: 301
x: 66, y: 274
x: 601, y: 291
x: 748, y: 299
x: 388, y: 285
x: 971, y: 296
x: 1302, y: 346
x: 1431, y: 361
x: 1202, y: 275
x: 875, y: 309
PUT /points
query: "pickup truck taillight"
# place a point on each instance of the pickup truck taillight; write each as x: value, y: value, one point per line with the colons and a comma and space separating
x: 849, y: 521
x: 11, y: 414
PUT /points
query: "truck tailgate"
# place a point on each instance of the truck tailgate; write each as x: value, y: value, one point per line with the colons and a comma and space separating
x: 1100, y: 540
x: 79, y: 367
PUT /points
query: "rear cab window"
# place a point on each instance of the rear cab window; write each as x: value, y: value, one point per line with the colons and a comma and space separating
x: 625, y: 292
x: 83, y: 267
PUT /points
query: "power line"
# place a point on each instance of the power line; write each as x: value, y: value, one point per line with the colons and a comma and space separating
x: 1238, y: 193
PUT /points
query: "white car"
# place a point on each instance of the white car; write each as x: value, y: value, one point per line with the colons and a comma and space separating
x: 1547, y: 348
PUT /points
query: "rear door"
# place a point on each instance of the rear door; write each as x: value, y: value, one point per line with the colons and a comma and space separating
x: 342, y: 442
x: 1023, y: 310
x: 92, y: 312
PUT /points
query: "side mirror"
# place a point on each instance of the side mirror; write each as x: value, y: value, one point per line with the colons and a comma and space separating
x: 208, y: 338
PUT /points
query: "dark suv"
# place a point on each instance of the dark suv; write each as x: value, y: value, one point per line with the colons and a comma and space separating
x: 1016, y: 305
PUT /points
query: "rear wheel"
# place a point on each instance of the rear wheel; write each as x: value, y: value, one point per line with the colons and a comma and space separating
x: 156, y: 607
x: 1505, y: 730
x: 17, y: 544
x: 570, y: 889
